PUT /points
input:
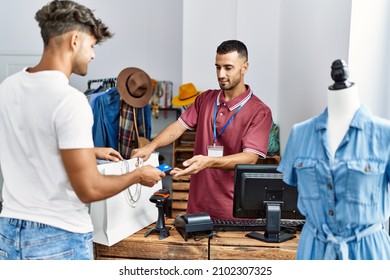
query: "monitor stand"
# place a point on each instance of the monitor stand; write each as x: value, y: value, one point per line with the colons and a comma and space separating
x: 272, y: 232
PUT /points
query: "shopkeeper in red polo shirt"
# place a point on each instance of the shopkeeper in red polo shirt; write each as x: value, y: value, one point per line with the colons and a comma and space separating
x: 232, y: 127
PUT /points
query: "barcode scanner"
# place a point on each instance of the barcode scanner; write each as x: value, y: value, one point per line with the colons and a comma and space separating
x: 160, y: 197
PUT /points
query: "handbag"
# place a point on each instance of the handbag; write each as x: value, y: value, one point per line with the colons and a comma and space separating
x: 129, y: 211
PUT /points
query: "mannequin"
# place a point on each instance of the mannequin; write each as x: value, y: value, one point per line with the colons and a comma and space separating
x: 346, y: 199
x: 343, y: 102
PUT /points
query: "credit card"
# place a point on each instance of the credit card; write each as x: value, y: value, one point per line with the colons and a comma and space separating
x: 164, y: 167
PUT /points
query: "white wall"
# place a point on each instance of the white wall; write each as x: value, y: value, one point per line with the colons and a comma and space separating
x: 369, y: 53
x: 148, y: 35
x: 312, y: 35
x: 315, y: 33
x: 206, y: 24
x: 291, y: 45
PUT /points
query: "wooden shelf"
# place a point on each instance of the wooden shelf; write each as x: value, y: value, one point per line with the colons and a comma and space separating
x: 181, y: 186
x: 183, y: 148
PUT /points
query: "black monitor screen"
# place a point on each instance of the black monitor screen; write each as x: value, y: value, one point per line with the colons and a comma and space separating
x: 255, y: 185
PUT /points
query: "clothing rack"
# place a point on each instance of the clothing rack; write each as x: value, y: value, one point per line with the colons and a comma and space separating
x: 106, y: 82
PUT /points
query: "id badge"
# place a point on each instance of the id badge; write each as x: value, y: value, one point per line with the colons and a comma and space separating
x: 215, y: 151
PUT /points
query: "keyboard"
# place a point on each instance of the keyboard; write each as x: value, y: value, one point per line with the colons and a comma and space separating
x: 255, y: 225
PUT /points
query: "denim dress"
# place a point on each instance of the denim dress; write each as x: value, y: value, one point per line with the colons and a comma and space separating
x: 345, y: 200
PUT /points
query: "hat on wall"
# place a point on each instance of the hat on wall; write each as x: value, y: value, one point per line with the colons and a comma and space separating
x: 135, y: 87
x: 187, y: 95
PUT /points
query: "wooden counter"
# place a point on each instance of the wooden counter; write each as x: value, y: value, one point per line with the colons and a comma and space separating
x: 223, y: 246
x: 234, y: 245
x: 172, y: 247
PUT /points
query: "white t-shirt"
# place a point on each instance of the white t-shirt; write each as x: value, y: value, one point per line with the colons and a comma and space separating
x: 40, y: 113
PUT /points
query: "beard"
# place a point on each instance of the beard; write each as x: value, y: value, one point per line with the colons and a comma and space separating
x: 227, y: 85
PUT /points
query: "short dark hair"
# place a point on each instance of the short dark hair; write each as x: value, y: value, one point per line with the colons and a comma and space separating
x: 233, y: 46
x: 59, y: 17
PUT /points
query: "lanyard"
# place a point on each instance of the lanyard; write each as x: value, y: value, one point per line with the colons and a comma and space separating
x: 228, y: 122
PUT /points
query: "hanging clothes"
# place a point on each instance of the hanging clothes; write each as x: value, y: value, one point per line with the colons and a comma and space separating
x: 127, y: 139
x: 145, y: 121
x: 114, y: 119
x: 105, y: 83
x: 104, y: 100
x: 106, y: 119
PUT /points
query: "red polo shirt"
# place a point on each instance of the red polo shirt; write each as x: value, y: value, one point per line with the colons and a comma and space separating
x: 212, y: 190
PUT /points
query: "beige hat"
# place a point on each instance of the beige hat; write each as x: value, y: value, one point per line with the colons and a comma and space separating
x: 135, y: 87
x: 187, y: 95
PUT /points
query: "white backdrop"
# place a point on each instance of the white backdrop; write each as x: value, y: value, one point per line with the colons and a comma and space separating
x: 291, y: 45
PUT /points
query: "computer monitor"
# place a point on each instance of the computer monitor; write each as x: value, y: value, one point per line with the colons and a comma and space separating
x: 259, y: 192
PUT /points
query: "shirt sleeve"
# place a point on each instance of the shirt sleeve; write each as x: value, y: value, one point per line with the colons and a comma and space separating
x: 286, y: 165
x: 73, y: 123
x: 189, y: 118
x: 257, y: 137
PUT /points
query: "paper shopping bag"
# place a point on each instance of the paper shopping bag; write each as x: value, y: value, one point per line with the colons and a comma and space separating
x: 122, y: 215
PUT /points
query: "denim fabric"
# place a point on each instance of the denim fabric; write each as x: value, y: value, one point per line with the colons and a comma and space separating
x: 106, y: 119
x: 92, y: 98
x: 345, y: 200
x: 26, y: 240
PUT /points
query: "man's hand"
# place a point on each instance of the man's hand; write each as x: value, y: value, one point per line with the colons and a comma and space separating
x: 149, y: 175
x: 194, y: 165
x: 143, y: 153
x: 174, y: 173
x: 107, y: 154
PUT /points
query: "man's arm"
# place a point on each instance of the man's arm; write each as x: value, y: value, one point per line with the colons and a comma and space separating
x: 200, y: 162
x: 165, y: 137
x: 90, y: 185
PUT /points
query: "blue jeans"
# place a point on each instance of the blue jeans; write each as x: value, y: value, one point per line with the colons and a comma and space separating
x: 23, y: 240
